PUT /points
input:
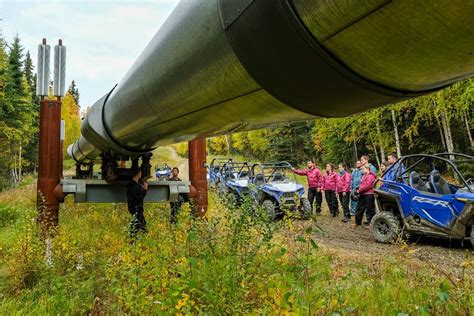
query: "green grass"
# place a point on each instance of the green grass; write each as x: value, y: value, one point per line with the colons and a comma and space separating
x: 233, y: 263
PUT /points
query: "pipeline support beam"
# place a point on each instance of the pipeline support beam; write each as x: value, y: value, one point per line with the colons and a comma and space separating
x: 197, y: 175
x: 49, y: 171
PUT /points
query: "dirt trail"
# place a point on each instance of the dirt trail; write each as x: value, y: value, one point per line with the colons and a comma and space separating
x: 183, y: 167
x: 444, y: 255
x: 169, y: 155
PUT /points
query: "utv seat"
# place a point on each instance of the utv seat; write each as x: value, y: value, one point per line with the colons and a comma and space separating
x: 277, y: 176
x: 438, y: 184
x: 229, y: 175
x: 417, y: 183
x: 244, y: 175
x: 259, y: 179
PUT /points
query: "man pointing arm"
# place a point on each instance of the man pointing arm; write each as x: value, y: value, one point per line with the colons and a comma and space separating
x: 314, y: 184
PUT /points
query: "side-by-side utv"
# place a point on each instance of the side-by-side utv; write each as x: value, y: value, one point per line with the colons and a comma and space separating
x: 235, y: 185
x: 429, y: 195
x: 214, y: 169
x: 278, y: 191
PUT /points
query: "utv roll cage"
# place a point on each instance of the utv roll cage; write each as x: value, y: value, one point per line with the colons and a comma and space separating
x: 451, y: 161
x: 235, y: 170
x: 272, y: 171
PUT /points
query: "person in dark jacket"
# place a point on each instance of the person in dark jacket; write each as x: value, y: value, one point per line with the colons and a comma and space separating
x: 136, y: 192
x: 314, y: 184
x: 366, y: 200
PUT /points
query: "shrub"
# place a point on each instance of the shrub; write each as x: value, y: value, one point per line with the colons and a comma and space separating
x: 8, y: 215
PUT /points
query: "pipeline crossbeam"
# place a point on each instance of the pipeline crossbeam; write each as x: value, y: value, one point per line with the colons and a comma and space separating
x: 101, y: 191
x: 221, y: 66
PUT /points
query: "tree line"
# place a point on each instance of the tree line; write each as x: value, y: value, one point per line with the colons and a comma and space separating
x: 19, y: 113
x: 438, y: 122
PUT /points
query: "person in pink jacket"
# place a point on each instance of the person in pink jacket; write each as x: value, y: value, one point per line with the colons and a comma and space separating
x: 329, y: 185
x: 344, y: 191
x: 314, y: 184
x: 366, y: 199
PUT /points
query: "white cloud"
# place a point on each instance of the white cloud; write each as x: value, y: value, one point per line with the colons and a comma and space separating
x: 103, y: 38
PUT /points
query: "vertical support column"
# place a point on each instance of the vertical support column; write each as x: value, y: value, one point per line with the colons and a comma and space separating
x: 49, y: 171
x: 61, y: 149
x: 197, y: 174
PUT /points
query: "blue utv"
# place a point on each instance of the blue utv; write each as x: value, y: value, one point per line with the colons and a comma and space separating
x: 214, y: 170
x: 278, y: 191
x: 428, y: 195
x: 162, y: 173
x: 235, y: 183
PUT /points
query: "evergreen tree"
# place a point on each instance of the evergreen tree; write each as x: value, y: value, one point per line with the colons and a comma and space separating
x: 16, y: 110
x: 292, y: 143
x: 14, y: 86
x: 30, y: 76
x: 74, y: 92
x: 4, y: 130
x: 31, y: 148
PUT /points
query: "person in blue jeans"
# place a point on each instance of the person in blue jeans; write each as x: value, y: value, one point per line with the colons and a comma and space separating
x: 356, y: 177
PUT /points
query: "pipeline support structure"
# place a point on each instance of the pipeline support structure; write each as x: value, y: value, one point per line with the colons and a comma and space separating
x: 50, y: 169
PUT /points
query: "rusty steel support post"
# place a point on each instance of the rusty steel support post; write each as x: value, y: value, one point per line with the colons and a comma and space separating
x: 49, y: 159
x: 197, y: 175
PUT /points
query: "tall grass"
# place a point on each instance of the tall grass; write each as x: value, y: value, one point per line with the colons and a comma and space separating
x: 235, y: 262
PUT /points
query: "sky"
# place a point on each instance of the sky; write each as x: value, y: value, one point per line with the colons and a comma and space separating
x: 103, y: 37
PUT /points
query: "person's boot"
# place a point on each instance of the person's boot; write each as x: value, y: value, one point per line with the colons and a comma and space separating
x: 346, y: 219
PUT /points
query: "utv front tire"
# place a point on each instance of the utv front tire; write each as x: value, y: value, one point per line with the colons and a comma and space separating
x: 305, y: 208
x: 269, y: 208
x: 385, y: 227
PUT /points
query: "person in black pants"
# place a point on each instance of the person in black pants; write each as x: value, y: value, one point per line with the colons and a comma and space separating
x: 315, y: 194
x: 344, y: 190
x: 136, y: 192
x: 367, y: 206
x: 366, y: 202
x: 329, y: 185
x: 314, y: 184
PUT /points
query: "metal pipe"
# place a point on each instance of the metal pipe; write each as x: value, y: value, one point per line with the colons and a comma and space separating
x: 197, y: 175
x: 220, y: 66
x: 49, y: 170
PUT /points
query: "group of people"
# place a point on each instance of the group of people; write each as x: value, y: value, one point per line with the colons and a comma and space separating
x: 353, y: 190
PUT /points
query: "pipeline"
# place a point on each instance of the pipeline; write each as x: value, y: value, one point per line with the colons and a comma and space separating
x: 222, y: 66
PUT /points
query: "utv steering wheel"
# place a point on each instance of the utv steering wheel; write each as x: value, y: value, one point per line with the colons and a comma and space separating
x: 470, y: 181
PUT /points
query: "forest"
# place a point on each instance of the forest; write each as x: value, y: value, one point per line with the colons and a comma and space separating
x: 19, y: 114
